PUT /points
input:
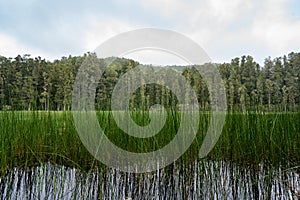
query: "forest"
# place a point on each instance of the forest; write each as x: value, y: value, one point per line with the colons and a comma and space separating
x: 28, y: 83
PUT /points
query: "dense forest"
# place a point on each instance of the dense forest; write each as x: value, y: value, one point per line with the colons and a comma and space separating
x: 37, y: 84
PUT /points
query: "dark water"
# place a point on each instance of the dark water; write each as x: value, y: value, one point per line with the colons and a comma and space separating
x: 198, y: 180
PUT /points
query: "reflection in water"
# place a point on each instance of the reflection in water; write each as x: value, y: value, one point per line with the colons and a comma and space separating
x: 198, y: 180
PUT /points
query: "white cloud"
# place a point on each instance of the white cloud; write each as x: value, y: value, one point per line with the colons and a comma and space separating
x: 274, y: 28
x: 216, y: 11
x: 225, y: 29
x: 10, y: 47
x: 156, y: 57
x: 102, y: 30
x: 165, y: 7
x: 209, y: 22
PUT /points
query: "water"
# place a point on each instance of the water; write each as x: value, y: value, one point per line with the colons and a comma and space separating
x: 198, y: 180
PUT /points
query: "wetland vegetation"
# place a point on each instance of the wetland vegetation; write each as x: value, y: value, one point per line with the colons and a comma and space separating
x: 256, y: 157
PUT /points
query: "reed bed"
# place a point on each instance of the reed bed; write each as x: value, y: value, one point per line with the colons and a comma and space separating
x: 30, y: 138
x: 256, y: 156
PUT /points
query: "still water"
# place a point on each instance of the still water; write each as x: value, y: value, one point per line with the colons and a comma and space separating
x: 197, y: 180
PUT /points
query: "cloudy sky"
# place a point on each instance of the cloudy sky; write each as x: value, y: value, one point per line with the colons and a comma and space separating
x: 225, y: 29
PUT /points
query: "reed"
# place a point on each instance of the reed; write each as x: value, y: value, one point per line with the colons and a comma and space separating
x: 29, y: 138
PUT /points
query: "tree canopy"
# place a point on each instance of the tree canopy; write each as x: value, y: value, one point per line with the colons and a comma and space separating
x: 37, y: 84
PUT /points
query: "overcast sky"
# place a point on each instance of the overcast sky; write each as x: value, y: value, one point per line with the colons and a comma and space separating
x: 225, y: 29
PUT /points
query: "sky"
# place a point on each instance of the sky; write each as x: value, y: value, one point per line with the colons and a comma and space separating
x: 224, y: 29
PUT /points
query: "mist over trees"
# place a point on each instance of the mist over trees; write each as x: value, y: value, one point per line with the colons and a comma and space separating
x: 37, y: 84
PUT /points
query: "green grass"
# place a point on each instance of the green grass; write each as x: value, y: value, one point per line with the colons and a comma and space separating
x: 253, y: 138
x: 31, y: 138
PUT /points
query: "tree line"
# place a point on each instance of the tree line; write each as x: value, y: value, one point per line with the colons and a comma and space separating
x: 37, y: 84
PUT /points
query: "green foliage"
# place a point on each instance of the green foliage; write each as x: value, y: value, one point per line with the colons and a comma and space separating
x: 29, y: 138
x: 36, y: 84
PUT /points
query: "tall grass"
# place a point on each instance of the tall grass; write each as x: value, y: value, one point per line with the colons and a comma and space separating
x: 254, y: 138
x: 31, y: 138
